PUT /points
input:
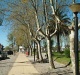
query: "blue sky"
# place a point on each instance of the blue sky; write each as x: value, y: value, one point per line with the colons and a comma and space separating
x: 3, y: 34
x: 4, y: 28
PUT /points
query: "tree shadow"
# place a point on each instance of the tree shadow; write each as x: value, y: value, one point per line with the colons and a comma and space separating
x: 65, y: 65
x: 17, y: 62
x: 39, y: 61
x: 55, y: 73
x: 56, y: 58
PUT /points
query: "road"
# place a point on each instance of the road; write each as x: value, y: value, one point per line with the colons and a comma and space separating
x: 6, y: 64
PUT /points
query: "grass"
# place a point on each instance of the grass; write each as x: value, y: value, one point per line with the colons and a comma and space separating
x: 61, y: 58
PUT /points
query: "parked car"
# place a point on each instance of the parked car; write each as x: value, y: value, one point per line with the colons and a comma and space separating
x: 3, y: 54
x: 10, y: 52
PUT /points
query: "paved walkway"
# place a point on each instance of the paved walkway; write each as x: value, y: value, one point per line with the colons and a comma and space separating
x: 43, y: 68
x: 22, y: 66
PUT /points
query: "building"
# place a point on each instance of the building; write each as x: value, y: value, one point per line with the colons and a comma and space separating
x: 21, y: 49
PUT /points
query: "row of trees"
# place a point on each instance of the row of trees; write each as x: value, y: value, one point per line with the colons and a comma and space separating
x: 35, y: 20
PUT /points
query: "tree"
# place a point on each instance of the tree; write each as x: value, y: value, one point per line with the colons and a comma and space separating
x: 72, y: 53
x: 1, y: 14
x: 10, y: 39
x: 64, y: 22
x: 35, y: 25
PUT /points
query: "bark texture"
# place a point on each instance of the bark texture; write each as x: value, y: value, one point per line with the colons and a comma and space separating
x: 72, y: 54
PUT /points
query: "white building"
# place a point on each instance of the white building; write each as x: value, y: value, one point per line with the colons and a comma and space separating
x: 21, y: 49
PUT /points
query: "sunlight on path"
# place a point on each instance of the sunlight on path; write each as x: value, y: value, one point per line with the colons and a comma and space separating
x: 22, y: 66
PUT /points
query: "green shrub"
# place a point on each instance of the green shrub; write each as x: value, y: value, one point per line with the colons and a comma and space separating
x: 67, y: 52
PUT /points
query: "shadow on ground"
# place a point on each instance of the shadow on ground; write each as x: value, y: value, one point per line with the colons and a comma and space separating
x: 14, y: 62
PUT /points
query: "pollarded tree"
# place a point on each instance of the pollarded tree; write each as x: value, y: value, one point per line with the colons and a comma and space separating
x: 48, y: 35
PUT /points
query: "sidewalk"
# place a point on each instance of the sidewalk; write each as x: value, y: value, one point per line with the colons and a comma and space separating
x: 43, y: 68
x: 22, y: 66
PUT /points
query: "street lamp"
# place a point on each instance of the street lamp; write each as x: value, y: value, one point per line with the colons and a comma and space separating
x: 76, y: 8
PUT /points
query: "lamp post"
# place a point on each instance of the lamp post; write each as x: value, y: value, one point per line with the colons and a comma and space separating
x: 76, y: 8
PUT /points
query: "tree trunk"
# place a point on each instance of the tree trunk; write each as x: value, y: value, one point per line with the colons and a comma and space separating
x: 39, y: 51
x: 72, y: 54
x: 34, y: 50
x: 51, y: 63
x: 30, y: 51
x: 37, y: 22
x: 46, y: 53
x: 58, y: 42
x: 18, y: 48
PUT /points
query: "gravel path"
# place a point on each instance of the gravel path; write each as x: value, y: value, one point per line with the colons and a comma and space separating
x: 43, y: 68
x: 6, y: 64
